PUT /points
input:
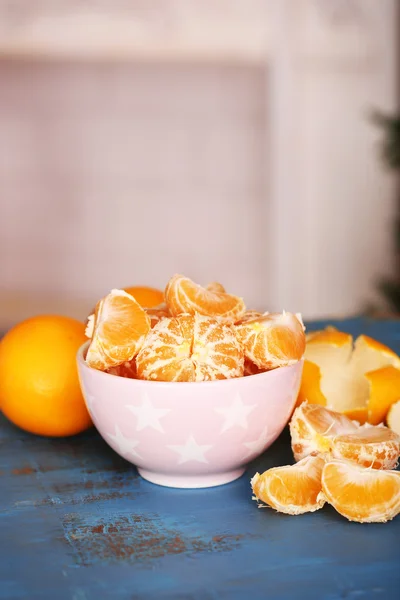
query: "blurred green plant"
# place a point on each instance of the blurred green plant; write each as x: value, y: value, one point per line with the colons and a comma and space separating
x: 390, y: 151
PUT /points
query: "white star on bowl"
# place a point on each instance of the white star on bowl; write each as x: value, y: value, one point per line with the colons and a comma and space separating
x: 148, y: 415
x: 235, y: 414
x: 191, y: 450
x: 257, y: 445
x: 125, y: 444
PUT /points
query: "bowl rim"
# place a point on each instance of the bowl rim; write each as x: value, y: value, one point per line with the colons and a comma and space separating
x: 81, y: 361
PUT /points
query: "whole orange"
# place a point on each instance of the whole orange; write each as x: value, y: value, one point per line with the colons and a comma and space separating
x: 146, y: 296
x: 39, y: 385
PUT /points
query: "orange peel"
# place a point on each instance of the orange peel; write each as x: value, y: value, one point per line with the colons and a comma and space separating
x: 393, y: 417
x: 360, y: 379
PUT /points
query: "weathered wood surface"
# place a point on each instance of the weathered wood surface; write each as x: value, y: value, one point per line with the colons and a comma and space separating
x: 78, y: 523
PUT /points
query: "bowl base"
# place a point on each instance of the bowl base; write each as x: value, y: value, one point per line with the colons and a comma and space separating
x: 191, y: 481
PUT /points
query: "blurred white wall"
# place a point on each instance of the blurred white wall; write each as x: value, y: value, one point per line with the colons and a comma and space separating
x: 253, y: 163
x: 116, y: 175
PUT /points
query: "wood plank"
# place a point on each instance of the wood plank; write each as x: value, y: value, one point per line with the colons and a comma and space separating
x: 77, y: 522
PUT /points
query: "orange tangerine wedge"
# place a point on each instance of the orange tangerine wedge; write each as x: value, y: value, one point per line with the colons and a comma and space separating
x: 369, y: 446
x: 120, y: 326
x: 393, y: 417
x: 190, y: 348
x: 183, y: 296
x: 359, y: 494
x: 313, y: 428
x: 274, y: 340
x: 360, y: 380
x: 146, y: 296
x: 294, y: 489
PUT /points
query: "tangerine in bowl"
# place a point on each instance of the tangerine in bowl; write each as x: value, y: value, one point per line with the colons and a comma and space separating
x: 190, y: 434
x: 192, y: 390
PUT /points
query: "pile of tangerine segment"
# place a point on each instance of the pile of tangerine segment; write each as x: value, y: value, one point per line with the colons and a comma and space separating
x: 198, y: 334
x: 339, y: 461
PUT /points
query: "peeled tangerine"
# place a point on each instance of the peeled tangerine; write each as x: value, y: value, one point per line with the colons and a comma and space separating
x: 315, y: 429
x: 120, y: 326
x: 360, y: 380
x: 183, y: 296
x: 360, y: 494
x: 273, y: 340
x: 190, y: 348
x: 375, y: 447
x: 292, y: 489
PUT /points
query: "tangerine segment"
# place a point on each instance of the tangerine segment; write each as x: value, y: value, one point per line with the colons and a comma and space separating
x: 216, y: 351
x: 146, y: 296
x: 359, y: 494
x: 293, y: 490
x: 275, y: 340
x: 375, y: 447
x: 214, y: 286
x: 393, y: 417
x: 190, y: 348
x: 120, y: 327
x: 157, y: 313
x: 182, y: 295
x: 166, y: 352
x: 313, y: 428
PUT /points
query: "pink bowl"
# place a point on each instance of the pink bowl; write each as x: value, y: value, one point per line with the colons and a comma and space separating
x: 190, y: 435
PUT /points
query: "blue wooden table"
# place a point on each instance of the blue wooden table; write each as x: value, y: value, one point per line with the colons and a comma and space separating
x: 78, y: 523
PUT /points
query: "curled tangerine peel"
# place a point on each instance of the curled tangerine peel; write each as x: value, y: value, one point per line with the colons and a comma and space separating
x: 120, y: 327
x: 310, y: 387
x: 393, y: 417
x: 190, y: 348
x: 360, y: 380
x: 275, y: 340
x: 183, y: 296
x: 359, y: 494
x: 294, y: 489
x: 384, y: 391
